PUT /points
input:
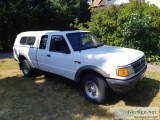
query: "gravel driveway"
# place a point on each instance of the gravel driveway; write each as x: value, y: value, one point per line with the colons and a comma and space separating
x: 150, y: 67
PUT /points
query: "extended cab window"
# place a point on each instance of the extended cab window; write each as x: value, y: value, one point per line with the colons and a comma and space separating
x: 58, y: 44
x: 23, y: 41
x: 31, y: 40
x: 43, y: 42
x: 27, y: 40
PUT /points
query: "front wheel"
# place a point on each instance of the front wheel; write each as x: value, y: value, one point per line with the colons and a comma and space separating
x: 26, y: 68
x: 95, y: 89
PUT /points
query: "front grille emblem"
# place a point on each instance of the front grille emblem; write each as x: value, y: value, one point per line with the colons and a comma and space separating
x: 140, y: 61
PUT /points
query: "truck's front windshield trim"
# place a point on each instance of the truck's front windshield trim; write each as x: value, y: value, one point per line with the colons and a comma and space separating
x: 83, y: 40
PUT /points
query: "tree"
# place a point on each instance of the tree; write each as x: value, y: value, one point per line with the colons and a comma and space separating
x: 25, y: 15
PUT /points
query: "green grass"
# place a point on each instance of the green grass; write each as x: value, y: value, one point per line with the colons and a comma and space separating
x: 41, y: 98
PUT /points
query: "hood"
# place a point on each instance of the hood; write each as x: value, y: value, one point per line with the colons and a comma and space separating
x: 110, y: 55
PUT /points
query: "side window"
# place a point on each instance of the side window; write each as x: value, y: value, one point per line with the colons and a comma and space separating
x: 23, y: 41
x: 43, y: 42
x: 31, y: 40
x: 58, y: 44
x: 27, y: 40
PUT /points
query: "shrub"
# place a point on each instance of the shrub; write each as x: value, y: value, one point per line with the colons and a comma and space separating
x: 134, y: 25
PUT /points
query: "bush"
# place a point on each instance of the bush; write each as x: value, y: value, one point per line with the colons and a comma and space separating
x: 135, y: 25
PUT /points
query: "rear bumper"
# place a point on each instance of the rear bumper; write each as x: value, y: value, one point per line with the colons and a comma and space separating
x: 123, y: 86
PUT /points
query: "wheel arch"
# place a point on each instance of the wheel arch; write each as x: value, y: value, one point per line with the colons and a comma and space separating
x: 21, y: 58
x: 87, y: 70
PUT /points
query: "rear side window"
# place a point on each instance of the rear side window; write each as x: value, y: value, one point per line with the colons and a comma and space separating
x: 27, y: 40
x: 23, y: 41
x: 31, y: 40
x: 43, y: 42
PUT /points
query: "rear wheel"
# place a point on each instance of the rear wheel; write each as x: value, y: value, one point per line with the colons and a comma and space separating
x: 95, y: 89
x: 26, y: 68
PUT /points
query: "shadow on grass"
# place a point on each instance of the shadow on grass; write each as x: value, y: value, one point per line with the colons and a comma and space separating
x: 142, y: 95
x: 51, y: 98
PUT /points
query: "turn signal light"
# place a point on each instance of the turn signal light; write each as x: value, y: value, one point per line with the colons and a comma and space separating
x: 123, y: 72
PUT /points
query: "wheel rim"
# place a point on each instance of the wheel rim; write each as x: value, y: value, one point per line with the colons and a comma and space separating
x: 91, y: 89
x: 25, y: 69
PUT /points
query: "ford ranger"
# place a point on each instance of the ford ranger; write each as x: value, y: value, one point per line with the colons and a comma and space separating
x: 81, y: 57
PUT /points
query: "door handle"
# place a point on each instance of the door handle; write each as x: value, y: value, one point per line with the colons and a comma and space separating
x: 77, y: 62
x: 48, y: 55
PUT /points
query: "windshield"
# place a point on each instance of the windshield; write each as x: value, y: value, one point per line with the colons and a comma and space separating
x: 83, y: 40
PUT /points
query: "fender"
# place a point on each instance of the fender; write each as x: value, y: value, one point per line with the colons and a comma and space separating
x: 90, y: 68
x: 21, y: 54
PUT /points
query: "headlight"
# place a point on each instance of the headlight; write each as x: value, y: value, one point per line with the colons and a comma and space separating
x: 125, y: 71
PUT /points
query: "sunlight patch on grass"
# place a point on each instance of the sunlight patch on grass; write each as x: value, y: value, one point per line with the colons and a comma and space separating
x: 9, y: 68
x: 10, y: 73
x: 153, y: 75
x: 7, y: 64
x: 40, y: 81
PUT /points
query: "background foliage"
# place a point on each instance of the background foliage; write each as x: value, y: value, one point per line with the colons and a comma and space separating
x: 135, y: 25
x: 25, y: 15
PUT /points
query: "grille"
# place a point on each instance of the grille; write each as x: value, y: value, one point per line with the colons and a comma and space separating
x: 139, y: 65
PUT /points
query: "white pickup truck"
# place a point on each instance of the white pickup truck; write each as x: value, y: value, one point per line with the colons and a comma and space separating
x: 81, y: 57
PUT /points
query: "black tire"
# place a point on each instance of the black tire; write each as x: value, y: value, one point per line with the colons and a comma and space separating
x: 95, y: 89
x: 26, y: 69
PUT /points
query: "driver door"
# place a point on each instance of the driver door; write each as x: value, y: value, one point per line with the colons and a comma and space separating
x: 59, y: 57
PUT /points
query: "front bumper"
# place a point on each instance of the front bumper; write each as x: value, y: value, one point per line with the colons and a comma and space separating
x: 123, y: 86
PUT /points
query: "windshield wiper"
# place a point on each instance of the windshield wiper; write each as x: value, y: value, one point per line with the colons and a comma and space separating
x: 84, y: 48
x: 94, y: 46
x: 99, y: 45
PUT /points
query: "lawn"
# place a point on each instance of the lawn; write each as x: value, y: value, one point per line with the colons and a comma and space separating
x: 41, y: 98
